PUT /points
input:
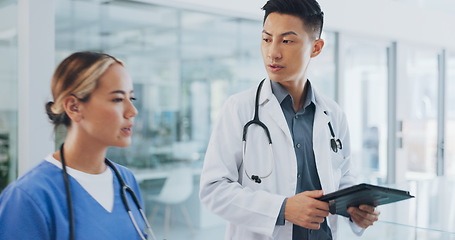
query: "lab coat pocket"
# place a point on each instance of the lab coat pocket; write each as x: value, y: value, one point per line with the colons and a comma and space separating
x: 337, y: 160
x: 337, y: 164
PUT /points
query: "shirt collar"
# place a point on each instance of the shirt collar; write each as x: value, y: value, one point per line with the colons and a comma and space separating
x: 281, y: 93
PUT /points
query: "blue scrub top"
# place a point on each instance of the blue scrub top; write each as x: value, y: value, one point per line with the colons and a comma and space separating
x: 35, y: 207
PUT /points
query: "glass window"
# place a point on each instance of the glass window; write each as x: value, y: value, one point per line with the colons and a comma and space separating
x: 365, y: 92
x: 449, y: 148
x: 322, y: 68
x: 417, y: 112
x: 8, y: 88
x: 184, y: 64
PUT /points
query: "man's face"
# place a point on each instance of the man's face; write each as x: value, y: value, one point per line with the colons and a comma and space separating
x: 287, y: 48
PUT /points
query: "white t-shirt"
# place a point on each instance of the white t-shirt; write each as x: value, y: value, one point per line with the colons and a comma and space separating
x: 99, y: 186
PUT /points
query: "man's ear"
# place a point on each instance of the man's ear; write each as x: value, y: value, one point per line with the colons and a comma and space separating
x: 72, y: 108
x: 317, y: 47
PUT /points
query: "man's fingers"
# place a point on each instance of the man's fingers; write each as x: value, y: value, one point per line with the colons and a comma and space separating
x: 367, y: 208
x: 305, y: 210
x: 370, y: 216
x: 315, y: 223
x: 321, y: 213
x: 364, y: 216
x: 313, y: 194
x: 361, y: 222
x: 313, y: 226
x: 316, y: 203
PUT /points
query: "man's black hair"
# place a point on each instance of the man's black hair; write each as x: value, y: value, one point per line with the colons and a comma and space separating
x: 308, y: 11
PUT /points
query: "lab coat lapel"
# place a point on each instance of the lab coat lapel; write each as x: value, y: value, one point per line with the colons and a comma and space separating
x: 272, y: 108
x: 321, y: 144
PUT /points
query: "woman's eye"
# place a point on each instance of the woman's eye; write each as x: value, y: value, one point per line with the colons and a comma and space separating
x: 287, y: 41
x: 117, y: 99
x: 133, y: 99
x: 266, y: 40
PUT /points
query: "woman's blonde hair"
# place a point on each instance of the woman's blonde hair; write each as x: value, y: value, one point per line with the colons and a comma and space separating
x: 76, y: 75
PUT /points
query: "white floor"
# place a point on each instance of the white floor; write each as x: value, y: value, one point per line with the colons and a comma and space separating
x: 178, y: 231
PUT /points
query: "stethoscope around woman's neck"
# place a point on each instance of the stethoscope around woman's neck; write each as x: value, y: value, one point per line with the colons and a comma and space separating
x: 123, y: 189
x: 335, y: 144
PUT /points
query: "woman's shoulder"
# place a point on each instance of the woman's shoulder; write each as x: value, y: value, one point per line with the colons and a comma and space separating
x: 36, y: 179
x: 124, y: 171
x: 37, y: 188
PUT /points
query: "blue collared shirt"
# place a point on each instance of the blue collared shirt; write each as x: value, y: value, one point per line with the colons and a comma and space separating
x: 300, y: 125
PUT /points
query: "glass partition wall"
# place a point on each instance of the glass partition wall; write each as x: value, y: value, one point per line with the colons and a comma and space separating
x: 184, y: 64
x: 365, y: 104
x: 417, y: 106
x: 322, y: 71
x: 8, y: 86
x: 449, y: 146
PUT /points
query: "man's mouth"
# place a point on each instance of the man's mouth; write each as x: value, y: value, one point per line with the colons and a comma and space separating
x: 275, y: 67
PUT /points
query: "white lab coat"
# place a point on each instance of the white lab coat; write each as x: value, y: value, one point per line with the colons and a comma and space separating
x: 251, y: 209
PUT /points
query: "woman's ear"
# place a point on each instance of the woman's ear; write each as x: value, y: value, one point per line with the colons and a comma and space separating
x: 317, y: 47
x: 71, y: 105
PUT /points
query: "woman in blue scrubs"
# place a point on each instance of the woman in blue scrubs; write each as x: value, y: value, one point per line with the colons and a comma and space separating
x: 93, y: 97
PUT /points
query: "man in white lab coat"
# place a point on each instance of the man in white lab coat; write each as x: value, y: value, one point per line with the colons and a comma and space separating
x: 268, y: 188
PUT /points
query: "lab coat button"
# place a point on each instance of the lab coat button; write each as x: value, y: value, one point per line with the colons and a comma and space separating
x: 298, y: 145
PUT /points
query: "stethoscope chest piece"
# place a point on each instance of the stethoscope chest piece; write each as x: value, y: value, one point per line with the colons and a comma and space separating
x: 335, y: 144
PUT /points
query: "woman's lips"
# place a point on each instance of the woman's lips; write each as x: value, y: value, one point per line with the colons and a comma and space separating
x: 128, y: 131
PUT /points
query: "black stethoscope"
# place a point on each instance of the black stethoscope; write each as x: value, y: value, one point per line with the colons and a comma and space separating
x: 256, y: 121
x: 335, y: 144
x: 124, y: 188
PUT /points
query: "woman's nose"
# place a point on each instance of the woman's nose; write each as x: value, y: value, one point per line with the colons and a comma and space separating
x: 131, y: 110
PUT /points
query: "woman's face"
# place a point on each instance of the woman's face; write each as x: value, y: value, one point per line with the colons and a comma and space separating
x: 107, y: 118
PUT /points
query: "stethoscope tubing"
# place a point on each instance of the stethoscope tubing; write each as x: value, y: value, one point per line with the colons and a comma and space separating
x: 256, y: 178
x: 68, y: 194
x: 124, y: 188
x: 335, y: 144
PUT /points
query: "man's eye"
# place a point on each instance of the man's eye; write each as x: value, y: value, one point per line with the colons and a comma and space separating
x: 266, y: 40
x: 287, y: 41
x: 117, y: 100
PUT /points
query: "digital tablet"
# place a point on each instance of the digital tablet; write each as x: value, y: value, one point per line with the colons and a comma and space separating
x: 372, y: 195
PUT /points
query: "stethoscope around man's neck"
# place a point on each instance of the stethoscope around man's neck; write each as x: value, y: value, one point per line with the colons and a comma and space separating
x: 256, y: 121
x: 123, y: 189
x: 335, y: 144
